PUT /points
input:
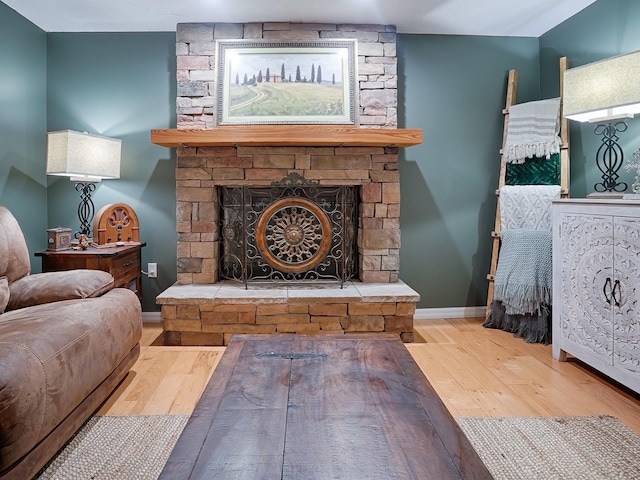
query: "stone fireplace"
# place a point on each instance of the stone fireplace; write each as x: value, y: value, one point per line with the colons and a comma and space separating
x: 215, y: 297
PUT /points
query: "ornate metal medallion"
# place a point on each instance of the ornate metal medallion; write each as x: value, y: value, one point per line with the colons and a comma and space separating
x: 293, y: 234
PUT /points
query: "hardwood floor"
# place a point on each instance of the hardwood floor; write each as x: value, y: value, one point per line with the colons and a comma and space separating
x: 164, y: 379
x: 486, y: 372
x: 476, y: 372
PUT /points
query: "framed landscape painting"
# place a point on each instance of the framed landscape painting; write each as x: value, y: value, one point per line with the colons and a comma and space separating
x: 262, y: 82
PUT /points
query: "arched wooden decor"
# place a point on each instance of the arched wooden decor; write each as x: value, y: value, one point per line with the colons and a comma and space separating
x: 116, y: 222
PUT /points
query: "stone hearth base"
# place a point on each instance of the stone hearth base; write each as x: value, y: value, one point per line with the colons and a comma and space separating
x: 211, y: 314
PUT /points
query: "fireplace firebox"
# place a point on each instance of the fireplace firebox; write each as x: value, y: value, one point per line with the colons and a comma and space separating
x: 293, y: 231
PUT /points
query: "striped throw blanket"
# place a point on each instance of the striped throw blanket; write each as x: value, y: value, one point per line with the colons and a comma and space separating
x: 533, y: 130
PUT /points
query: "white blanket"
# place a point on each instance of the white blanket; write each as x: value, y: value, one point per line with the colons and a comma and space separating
x: 532, y: 130
x: 527, y: 206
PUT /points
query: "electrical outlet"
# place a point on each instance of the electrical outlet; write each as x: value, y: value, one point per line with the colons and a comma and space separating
x: 153, y: 270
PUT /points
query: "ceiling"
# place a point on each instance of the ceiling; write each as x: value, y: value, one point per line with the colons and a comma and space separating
x: 523, y: 18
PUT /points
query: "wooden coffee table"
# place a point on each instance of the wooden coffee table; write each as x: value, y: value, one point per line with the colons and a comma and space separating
x: 352, y: 406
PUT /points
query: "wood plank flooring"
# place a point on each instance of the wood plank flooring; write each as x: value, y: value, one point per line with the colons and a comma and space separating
x: 485, y: 372
x: 476, y: 372
x: 164, y: 379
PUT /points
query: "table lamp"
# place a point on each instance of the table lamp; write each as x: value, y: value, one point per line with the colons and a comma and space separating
x: 605, y: 92
x: 86, y: 159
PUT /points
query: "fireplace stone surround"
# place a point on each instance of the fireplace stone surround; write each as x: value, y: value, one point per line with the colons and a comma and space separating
x: 200, y: 309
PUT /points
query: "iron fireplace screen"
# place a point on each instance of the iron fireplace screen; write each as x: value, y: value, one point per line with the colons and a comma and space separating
x: 288, y: 233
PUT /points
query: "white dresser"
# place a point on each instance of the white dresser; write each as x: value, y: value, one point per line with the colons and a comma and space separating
x: 596, y: 285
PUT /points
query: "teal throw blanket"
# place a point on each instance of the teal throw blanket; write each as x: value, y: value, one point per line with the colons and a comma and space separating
x: 523, y: 278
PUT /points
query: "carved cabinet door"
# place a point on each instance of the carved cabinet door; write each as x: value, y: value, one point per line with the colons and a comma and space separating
x: 585, y: 316
x: 626, y: 294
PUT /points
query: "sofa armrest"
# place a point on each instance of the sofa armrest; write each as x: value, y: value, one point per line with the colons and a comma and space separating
x: 50, y: 287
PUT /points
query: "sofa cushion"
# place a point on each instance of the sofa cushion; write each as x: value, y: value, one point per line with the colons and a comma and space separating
x: 14, y: 254
x: 52, y: 356
x: 4, y: 293
x: 50, y: 287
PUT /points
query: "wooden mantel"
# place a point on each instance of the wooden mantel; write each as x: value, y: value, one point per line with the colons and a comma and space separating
x: 288, y: 135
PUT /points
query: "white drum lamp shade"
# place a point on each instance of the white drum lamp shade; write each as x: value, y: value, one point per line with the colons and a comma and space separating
x: 603, y: 91
x: 82, y: 156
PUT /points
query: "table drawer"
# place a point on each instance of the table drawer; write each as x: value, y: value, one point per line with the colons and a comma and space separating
x: 126, y: 265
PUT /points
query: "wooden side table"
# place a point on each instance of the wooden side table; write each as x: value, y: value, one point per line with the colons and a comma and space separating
x: 122, y: 262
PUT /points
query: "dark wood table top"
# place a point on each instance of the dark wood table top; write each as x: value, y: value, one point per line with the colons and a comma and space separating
x: 352, y: 406
x: 102, y: 250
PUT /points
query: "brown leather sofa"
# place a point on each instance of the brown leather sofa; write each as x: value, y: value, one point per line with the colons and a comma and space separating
x: 67, y: 339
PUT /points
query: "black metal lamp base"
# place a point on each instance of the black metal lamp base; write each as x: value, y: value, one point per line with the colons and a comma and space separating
x: 86, y: 208
x: 610, y: 157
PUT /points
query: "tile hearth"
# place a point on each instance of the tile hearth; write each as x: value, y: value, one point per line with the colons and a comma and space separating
x: 211, y: 314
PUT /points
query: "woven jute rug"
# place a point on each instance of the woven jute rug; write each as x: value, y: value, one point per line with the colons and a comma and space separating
x: 114, y: 448
x: 530, y: 448
x: 595, y: 447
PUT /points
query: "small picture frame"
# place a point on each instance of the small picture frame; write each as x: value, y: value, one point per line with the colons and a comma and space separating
x: 265, y: 82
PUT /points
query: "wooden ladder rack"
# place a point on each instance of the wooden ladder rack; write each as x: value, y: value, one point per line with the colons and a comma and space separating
x: 512, y: 84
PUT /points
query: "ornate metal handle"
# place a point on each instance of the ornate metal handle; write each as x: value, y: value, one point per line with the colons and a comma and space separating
x: 616, y: 286
x: 128, y: 264
x: 604, y: 290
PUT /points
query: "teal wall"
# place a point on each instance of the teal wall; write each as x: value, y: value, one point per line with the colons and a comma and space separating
x: 23, y: 77
x: 604, y: 29
x: 120, y: 85
x: 453, y: 88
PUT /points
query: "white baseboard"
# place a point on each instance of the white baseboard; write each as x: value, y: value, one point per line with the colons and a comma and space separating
x: 151, y: 317
x: 453, y: 312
